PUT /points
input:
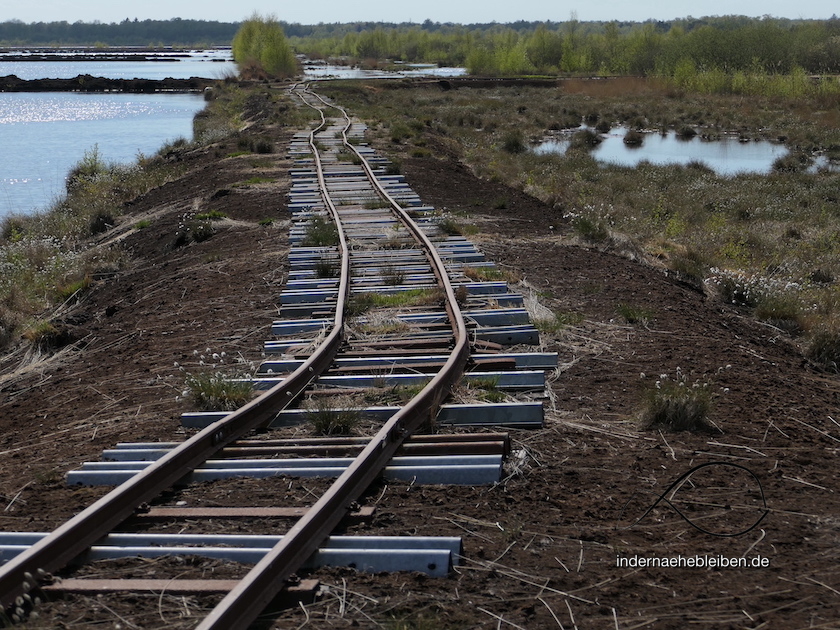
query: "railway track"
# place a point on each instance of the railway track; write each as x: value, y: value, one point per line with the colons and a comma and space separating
x: 383, y: 316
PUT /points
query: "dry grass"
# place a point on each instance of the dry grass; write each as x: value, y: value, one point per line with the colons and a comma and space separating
x: 777, y: 231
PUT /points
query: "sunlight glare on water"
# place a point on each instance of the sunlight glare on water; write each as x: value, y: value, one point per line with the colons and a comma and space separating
x: 44, y: 134
x: 55, y: 107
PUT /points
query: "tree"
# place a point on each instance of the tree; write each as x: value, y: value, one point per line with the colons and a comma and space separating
x: 260, y: 46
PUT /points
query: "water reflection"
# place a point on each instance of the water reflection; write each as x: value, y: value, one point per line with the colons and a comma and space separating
x: 726, y: 156
x: 314, y: 70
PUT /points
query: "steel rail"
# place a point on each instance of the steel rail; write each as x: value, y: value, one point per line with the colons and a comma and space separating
x: 78, y: 534
x: 262, y: 584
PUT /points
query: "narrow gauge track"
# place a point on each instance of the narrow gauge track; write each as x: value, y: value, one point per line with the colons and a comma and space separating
x: 318, y: 374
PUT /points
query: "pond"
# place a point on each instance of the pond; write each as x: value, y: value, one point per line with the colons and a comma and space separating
x: 728, y: 155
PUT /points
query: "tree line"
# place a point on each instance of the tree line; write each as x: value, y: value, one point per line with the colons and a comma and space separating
x: 175, y: 32
x: 675, y: 48
x: 726, y: 44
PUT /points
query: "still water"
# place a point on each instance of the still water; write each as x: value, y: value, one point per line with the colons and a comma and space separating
x: 42, y: 135
x: 317, y: 70
x: 209, y: 64
x: 727, y: 156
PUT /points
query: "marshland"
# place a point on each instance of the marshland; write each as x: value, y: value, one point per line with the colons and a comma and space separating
x: 653, y: 278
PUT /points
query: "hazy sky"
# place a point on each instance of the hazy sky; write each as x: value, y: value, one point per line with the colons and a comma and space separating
x: 463, y: 11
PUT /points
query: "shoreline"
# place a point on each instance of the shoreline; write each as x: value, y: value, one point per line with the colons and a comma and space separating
x: 89, y: 83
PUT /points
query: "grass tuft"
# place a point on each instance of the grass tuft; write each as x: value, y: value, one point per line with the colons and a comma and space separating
x: 633, y: 314
x: 823, y: 348
x: 42, y: 334
x: 591, y: 230
x: 334, y: 416
x: 555, y: 322
x: 676, y: 405
x: 211, y: 215
x: 320, y: 232
x: 216, y: 391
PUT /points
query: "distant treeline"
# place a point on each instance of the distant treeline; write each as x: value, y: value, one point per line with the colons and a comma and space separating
x: 176, y: 32
x: 728, y: 44
x: 683, y: 47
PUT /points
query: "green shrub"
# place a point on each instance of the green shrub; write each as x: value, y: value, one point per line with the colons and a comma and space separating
x: 260, y: 46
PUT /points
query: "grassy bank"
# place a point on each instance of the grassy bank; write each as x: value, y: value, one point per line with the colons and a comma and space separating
x: 48, y: 259
x: 769, y: 243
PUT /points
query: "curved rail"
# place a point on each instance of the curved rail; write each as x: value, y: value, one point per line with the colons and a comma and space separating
x: 75, y: 536
x: 243, y: 604
x: 256, y: 590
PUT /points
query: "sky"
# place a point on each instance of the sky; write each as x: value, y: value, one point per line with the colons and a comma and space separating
x: 462, y: 11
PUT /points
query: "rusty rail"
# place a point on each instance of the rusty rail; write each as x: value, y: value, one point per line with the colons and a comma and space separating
x: 83, y: 530
x: 243, y: 604
x: 264, y: 582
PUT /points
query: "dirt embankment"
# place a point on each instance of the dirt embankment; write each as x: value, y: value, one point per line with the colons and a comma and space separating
x: 540, y: 549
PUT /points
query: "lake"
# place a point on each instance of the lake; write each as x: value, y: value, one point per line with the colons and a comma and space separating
x: 210, y: 64
x: 44, y: 134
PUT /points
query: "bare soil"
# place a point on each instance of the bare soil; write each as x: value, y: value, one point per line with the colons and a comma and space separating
x: 540, y: 549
